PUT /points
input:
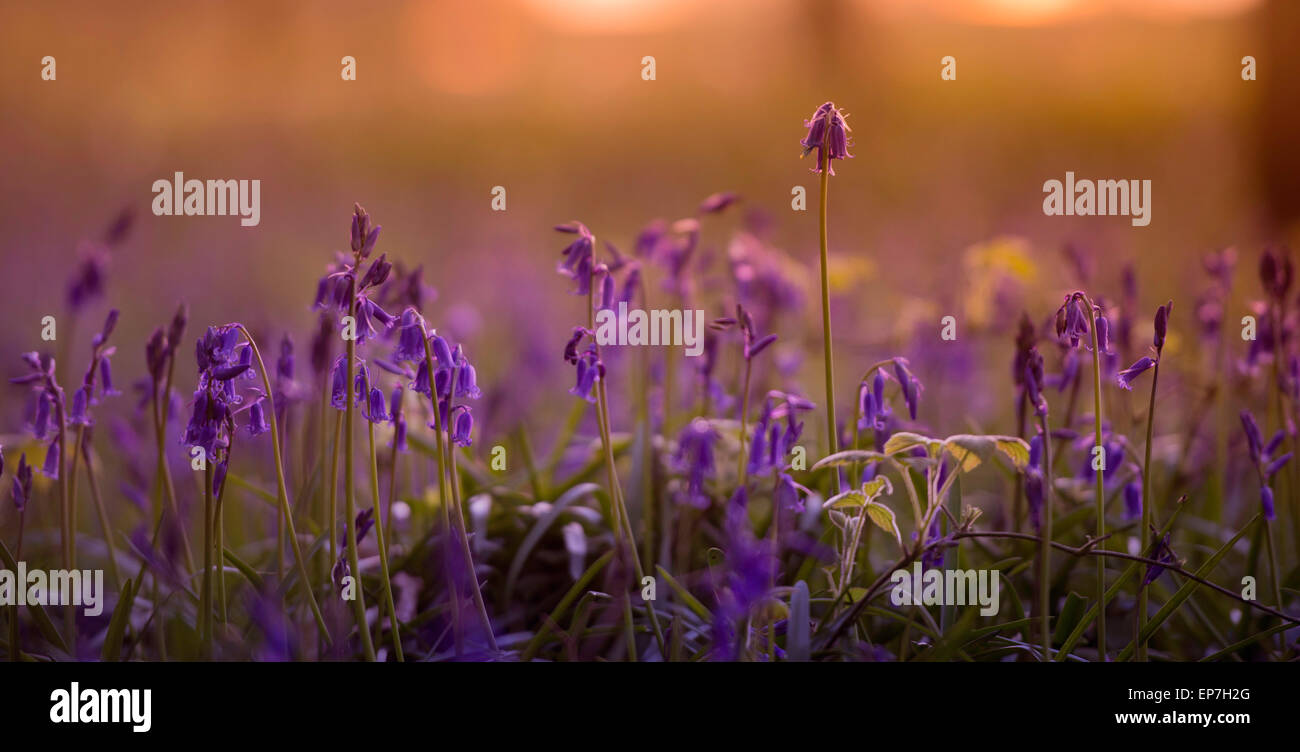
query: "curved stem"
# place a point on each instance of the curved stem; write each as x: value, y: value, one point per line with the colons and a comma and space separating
x: 283, y: 491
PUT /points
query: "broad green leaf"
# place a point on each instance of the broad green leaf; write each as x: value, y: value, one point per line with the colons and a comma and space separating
x: 849, y: 457
x: 1016, y: 450
x: 871, y: 489
x: 846, y: 500
x: 904, y: 440
x: 971, y: 449
x: 883, y: 517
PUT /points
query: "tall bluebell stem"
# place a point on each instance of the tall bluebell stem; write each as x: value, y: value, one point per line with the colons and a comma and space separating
x: 828, y: 136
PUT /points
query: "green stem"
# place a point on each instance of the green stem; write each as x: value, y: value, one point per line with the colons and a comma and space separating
x: 1098, y: 486
x: 383, y: 549
x: 444, y: 500
x: 1045, y: 547
x: 349, y: 494
x: 283, y: 491
x: 1145, y: 532
x: 831, y: 438
x: 205, y: 593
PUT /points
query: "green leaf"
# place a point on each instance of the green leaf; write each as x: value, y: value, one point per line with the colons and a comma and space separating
x: 971, y: 449
x: 846, y: 500
x: 871, y: 489
x: 883, y: 517
x: 112, y: 650
x: 849, y: 457
x: 904, y: 440
x: 1016, y: 450
x: 1071, y: 613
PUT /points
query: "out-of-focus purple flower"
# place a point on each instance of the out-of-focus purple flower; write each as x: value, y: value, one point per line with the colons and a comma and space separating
x: 1133, y: 500
x: 398, y: 416
x: 717, y: 202
x: 257, y: 419
x: 787, y: 494
x: 695, y: 457
x: 1276, y: 273
x: 87, y: 282
x: 22, y: 483
x: 1125, y: 377
x: 828, y: 134
x: 1264, y: 459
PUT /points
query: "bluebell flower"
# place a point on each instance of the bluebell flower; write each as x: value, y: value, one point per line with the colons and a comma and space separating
x: 257, y: 419
x: 828, y: 135
x: 463, y: 425
x: 1125, y: 377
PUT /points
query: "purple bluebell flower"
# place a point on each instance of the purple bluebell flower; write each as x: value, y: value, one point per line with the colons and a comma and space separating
x: 828, y: 134
x: 410, y: 337
x: 1125, y: 377
x: 51, y: 467
x: 376, y: 408
x: 1265, y: 460
x: 579, y: 256
x: 1034, y: 381
x: 910, y: 384
x: 1034, y: 482
x: 257, y: 419
x: 364, y: 234
x: 80, y: 401
x: 1071, y: 323
x: 589, y: 371
x: 462, y: 425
